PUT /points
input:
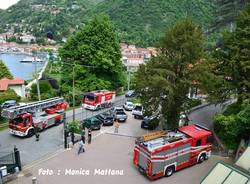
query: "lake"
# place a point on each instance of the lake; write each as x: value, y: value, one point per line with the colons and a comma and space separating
x: 21, y: 70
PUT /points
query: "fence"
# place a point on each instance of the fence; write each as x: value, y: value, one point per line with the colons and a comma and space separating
x: 82, y: 114
x: 7, y: 158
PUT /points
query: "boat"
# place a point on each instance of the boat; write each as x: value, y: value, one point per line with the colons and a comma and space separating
x: 31, y: 60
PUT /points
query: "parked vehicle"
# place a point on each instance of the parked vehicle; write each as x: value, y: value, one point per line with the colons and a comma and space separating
x: 96, y: 100
x: 93, y: 123
x: 150, y: 122
x: 120, y: 115
x: 8, y: 104
x: 162, y: 153
x: 107, y: 118
x: 130, y: 94
x: 128, y: 106
x: 138, y: 111
x: 24, y: 119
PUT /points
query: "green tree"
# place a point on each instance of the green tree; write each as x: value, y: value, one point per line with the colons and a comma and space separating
x: 167, y: 78
x: 96, y: 46
x: 4, y: 71
x: 45, y: 89
x: 233, y: 60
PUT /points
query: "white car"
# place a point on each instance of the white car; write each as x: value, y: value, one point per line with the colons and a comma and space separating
x: 128, y: 106
x: 138, y: 111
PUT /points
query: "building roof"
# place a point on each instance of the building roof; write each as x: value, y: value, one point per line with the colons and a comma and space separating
x: 244, y: 160
x: 226, y: 174
x: 195, y: 131
x: 5, y: 83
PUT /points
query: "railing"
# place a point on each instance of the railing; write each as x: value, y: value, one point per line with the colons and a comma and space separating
x: 7, y: 158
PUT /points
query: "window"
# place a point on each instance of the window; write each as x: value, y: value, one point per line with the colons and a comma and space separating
x: 210, y: 139
x: 198, y: 143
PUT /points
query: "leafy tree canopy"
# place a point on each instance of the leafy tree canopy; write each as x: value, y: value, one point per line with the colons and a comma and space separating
x: 95, y: 54
x: 4, y: 71
x: 167, y: 78
x: 233, y: 60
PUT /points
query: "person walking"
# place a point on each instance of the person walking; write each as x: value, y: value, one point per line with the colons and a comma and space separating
x: 81, y: 145
x: 37, y: 133
x: 89, y: 135
x: 116, y: 126
x: 72, y: 138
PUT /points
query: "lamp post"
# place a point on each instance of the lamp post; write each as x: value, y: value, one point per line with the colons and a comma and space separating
x: 73, y: 90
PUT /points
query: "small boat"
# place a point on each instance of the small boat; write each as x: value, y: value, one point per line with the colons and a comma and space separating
x: 31, y: 60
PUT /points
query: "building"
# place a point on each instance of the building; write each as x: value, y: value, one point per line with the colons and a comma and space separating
x: 133, y: 57
x: 28, y: 38
x: 244, y: 160
x: 16, y: 84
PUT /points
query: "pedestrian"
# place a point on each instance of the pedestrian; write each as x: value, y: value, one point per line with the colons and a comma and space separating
x: 37, y: 133
x: 81, y: 147
x: 72, y: 138
x: 116, y: 126
x: 89, y: 135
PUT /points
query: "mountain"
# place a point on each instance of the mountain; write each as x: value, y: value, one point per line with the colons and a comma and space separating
x: 38, y: 17
x: 140, y: 22
x: 143, y: 21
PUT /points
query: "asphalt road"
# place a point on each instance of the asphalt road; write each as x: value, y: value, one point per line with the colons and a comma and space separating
x: 107, y: 151
x: 50, y: 140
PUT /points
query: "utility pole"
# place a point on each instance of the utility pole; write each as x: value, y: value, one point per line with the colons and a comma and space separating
x: 37, y: 80
x: 128, y: 77
x: 73, y: 90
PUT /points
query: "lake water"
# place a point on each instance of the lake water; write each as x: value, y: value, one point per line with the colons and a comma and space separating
x: 21, y: 70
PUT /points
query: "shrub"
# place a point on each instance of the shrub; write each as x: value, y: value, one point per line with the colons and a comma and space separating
x: 75, y: 127
x: 46, y: 90
x: 9, y: 95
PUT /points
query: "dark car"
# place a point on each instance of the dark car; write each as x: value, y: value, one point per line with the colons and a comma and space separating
x: 8, y: 104
x: 107, y: 118
x: 92, y: 123
x: 130, y: 94
x: 150, y: 122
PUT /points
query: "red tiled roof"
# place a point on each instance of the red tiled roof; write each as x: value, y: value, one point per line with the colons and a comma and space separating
x: 5, y: 83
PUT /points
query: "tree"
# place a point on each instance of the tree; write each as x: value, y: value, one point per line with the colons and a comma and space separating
x: 4, y: 71
x: 95, y: 54
x: 233, y: 60
x: 166, y: 79
x: 45, y: 89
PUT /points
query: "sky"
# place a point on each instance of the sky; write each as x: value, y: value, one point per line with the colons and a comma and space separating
x: 4, y: 4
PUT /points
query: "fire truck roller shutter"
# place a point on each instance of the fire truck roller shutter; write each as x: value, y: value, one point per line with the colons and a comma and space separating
x: 164, y: 158
x: 183, y: 154
x: 143, y: 160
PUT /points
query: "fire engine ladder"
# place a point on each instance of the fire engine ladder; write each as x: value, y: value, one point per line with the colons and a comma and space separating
x: 13, y: 112
x: 151, y: 136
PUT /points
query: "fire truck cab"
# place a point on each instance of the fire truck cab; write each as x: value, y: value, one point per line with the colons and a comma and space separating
x: 162, y: 153
x: 98, y: 99
x: 23, y: 120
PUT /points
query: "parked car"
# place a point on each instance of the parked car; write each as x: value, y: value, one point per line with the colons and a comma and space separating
x: 120, y: 115
x: 138, y: 111
x: 130, y: 94
x: 8, y: 104
x: 150, y: 122
x: 107, y: 118
x: 93, y: 123
x: 128, y: 106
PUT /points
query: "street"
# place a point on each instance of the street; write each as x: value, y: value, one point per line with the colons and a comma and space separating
x: 50, y: 141
x: 107, y: 151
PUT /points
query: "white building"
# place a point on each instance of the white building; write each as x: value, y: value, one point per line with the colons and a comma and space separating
x: 16, y: 84
x: 28, y: 38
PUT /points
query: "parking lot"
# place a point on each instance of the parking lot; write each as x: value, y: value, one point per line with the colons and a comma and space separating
x: 107, y: 152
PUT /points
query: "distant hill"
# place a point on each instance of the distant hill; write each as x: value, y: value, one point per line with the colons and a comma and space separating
x: 140, y: 22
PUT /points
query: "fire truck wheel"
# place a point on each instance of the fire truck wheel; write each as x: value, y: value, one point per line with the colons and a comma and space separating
x: 31, y: 132
x: 169, y: 171
x: 201, y: 158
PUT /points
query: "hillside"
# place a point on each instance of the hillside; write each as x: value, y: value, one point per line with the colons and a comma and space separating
x: 40, y: 16
x: 140, y: 22
x: 143, y: 21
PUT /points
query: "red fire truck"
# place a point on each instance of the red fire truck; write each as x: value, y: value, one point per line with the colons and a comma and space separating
x: 98, y: 99
x: 25, y: 118
x: 161, y: 153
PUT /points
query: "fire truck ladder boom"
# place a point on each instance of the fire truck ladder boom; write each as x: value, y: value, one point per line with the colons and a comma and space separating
x: 13, y: 112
